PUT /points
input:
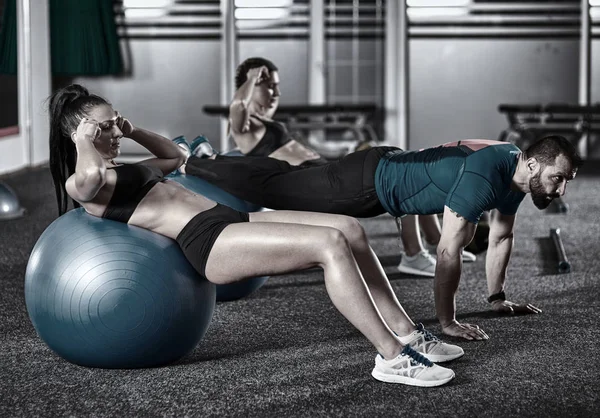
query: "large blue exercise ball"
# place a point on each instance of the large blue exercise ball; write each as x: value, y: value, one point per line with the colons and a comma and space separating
x: 237, y: 290
x: 102, y: 293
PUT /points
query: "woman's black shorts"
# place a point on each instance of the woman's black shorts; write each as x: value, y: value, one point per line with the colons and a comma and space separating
x: 197, y: 238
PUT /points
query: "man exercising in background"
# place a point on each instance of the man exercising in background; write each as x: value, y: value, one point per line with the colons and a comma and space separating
x: 459, y: 179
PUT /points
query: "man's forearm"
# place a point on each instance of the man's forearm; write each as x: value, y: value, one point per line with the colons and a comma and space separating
x: 496, y: 262
x: 447, y: 278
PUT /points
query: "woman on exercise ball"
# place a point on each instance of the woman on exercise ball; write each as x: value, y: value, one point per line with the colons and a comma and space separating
x: 85, y: 138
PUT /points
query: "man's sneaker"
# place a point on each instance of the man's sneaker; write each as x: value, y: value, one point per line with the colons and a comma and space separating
x: 430, y: 346
x: 421, y: 264
x: 410, y: 368
x: 201, y: 148
x: 467, y: 256
x: 181, y: 141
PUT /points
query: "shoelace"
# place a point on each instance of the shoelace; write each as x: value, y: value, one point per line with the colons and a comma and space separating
x: 407, y: 351
x: 428, y: 335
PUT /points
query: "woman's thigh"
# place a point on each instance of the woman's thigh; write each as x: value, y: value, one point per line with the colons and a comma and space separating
x: 251, y: 249
x: 348, y: 225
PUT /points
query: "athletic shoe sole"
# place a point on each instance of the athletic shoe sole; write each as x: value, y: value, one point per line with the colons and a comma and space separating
x: 467, y: 259
x: 416, y: 272
x: 394, y: 378
x: 440, y: 358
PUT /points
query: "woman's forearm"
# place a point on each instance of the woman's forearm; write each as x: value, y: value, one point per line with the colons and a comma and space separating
x: 244, y: 93
x: 88, y: 159
x: 156, y: 144
x: 238, y: 110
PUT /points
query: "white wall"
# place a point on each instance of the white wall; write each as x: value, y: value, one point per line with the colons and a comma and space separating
x: 169, y: 82
x: 12, y: 155
x: 40, y: 82
x: 456, y: 85
x: 30, y: 146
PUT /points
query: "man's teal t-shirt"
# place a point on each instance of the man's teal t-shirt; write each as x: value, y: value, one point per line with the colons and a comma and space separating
x: 470, y: 177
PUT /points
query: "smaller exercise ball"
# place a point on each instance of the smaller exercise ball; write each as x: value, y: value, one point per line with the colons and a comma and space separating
x: 235, y: 290
x: 102, y: 293
x: 9, y: 204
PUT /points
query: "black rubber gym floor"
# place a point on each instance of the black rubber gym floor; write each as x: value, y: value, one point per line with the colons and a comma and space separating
x: 286, y: 351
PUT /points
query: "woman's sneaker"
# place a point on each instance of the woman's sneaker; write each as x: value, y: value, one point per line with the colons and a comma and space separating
x: 410, y: 368
x: 430, y: 346
x: 421, y: 264
x: 201, y: 147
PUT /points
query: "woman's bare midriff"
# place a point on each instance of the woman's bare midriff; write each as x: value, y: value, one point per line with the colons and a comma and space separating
x: 166, y: 209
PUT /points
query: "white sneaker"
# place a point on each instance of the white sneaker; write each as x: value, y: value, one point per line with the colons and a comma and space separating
x: 421, y: 264
x: 201, y: 148
x: 468, y: 257
x: 430, y: 346
x: 410, y: 368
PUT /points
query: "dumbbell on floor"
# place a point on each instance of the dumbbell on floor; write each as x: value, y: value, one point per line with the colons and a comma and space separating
x: 564, y: 266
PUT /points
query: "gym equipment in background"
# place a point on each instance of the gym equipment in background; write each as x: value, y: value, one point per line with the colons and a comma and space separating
x: 349, y: 126
x: 102, y: 293
x: 563, y: 266
x: 558, y: 205
x: 9, y: 204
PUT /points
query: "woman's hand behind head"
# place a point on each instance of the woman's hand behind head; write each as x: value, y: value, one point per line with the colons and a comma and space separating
x: 87, y: 129
x: 125, y: 126
x: 259, y: 74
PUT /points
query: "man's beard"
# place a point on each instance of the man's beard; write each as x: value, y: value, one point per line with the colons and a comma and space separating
x: 538, y: 194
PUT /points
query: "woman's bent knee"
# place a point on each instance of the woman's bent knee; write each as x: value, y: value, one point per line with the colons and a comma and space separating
x: 353, y: 230
x: 335, y: 244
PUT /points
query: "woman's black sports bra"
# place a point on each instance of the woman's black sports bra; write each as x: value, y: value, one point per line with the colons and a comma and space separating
x: 276, y: 135
x: 134, y: 181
